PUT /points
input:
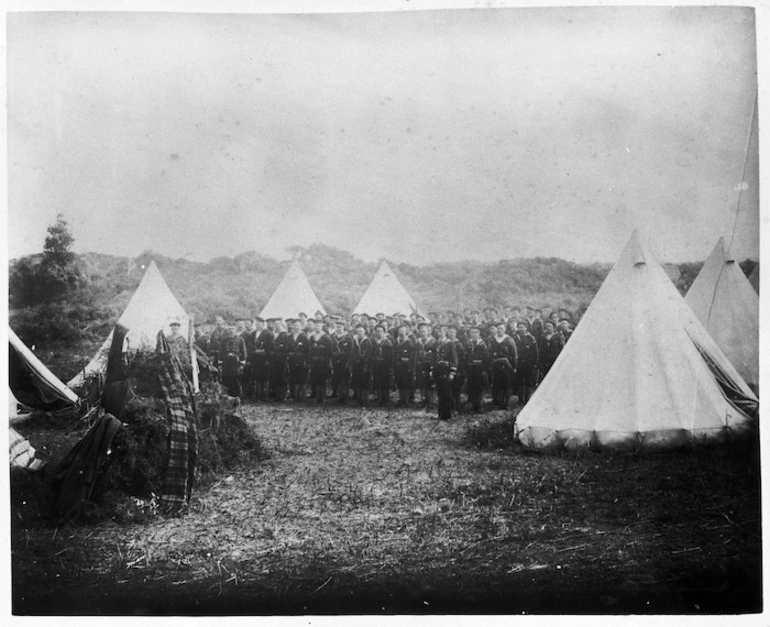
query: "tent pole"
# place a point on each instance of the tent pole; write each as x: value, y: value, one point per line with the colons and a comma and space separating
x: 193, y: 355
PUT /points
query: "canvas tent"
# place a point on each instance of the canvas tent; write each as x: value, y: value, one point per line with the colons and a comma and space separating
x: 292, y: 296
x: 31, y: 382
x: 150, y: 309
x: 30, y: 386
x: 639, y: 372
x: 754, y: 278
x: 387, y: 295
x: 724, y: 301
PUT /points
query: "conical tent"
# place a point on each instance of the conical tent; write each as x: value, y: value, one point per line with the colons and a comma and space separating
x: 724, y: 301
x: 31, y: 382
x: 150, y: 309
x: 639, y: 372
x: 754, y: 278
x: 292, y: 296
x: 385, y: 294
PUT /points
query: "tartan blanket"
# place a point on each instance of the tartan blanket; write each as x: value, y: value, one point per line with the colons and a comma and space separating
x: 179, y: 477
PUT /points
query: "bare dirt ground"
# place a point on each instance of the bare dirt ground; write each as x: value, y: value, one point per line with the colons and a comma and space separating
x: 391, y: 511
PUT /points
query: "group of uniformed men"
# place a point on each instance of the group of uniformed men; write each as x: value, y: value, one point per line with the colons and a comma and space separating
x: 265, y: 360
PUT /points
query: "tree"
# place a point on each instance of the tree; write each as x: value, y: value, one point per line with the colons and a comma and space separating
x: 58, y: 273
x: 57, y: 249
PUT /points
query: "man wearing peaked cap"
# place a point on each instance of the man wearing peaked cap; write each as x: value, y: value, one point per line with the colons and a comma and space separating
x: 249, y: 336
x: 178, y: 343
x: 342, y: 347
x: 360, y: 364
x: 297, y: 345
x: 277, y: 358
x: 426, y: 352
x: 319, y: 359
x: 260, y: 361
x: 405, y: 358
x: 382, y: 364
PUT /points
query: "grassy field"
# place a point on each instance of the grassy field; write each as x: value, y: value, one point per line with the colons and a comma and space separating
x: 391, y: 511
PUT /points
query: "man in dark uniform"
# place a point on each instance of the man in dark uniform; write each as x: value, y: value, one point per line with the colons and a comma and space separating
x: 459, y: 378
x: 425, y: 357
x: 248, y: 335
x: 296, y: 359
x: 302, y: 319
x: 231, y: 357
x: 551, y: 345
x: 444, y: 371
x: 404, y: 365
x: 201, y: 338
x: 503, y: 362
x: 219, y: 332
x: 278, y: 361
x: 528, y: 358
x: 477, y: 361
x: 342, y: 346
x: 565, y: 329
x: 382, y: 364
x: 535, y: 322
x: 260, y: 359
x: 360, y: 364
x: 319, y: 359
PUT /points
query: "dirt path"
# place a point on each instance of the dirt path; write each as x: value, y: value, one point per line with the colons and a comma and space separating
x: 364, y: 511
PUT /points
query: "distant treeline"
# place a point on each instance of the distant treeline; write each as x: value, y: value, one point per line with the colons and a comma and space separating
x: 241, y: 285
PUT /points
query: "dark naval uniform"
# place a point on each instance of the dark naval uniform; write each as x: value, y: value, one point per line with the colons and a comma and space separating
x: 231, y: 357
x: 444, y: 372
x: 405, y: 359
x: 426, y: 355
x: 550, y: 347
x: 503, y: 361
x: 320, y: 360
x: 528, y: 359
x: 382, y: 367
x: 477, y: 362
x: 296, y: 359
x: 342, y: 346
x: 260, y: 363
x: 278, y: 366
x: 459, y: 379
x: 360, y: 367
x: 247, y: 377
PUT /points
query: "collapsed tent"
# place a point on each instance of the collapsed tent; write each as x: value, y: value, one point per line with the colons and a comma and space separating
x: 724, y: 301
x: 292, y: 296
x: 30, y: 386
x: 387, y: 295
x: 150, y: 310
x: 33, y: 384
x: 639, y: 372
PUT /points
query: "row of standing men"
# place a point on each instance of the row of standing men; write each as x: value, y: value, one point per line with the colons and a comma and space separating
x: 358, y: 359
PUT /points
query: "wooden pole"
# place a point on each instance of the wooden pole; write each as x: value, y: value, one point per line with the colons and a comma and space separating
x: 193, y: 354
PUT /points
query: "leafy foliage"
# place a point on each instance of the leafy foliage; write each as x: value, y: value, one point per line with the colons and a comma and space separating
x: 241, y: 285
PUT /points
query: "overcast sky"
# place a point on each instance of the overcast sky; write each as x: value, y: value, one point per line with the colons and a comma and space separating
x: 417, y: 136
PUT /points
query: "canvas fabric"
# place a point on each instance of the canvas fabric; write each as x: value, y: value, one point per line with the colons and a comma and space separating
x: 633, y: 375
x: 387, y: 295
x: 292, y: 296
x: 724, y: 301
x: 35, y: 385
x: 150, y: 309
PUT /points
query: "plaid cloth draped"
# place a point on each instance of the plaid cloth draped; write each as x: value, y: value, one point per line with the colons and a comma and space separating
x: 183, y: 435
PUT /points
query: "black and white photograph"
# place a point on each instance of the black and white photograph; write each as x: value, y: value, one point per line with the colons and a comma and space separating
x: 384, y: 309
